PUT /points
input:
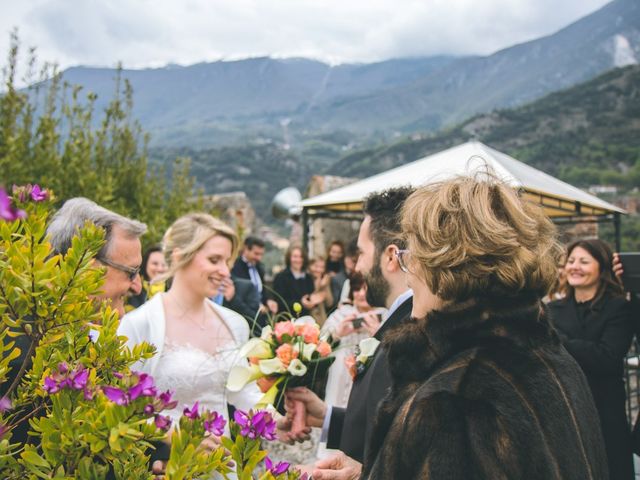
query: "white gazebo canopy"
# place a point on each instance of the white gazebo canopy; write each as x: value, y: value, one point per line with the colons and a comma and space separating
x: 559, y: 199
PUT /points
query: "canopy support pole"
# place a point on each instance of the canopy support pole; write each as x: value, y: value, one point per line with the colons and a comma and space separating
x: 616, y: 223
x: 304, y: 220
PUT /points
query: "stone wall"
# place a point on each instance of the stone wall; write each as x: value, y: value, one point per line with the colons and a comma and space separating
x: 323, y: 230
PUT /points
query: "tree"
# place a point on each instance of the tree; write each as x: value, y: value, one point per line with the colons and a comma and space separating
x: 47, y: 136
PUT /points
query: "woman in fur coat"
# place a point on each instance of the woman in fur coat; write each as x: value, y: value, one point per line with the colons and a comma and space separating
x: 482, y: 388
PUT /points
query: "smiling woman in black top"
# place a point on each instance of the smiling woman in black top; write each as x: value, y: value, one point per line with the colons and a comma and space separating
x: 594, y: 325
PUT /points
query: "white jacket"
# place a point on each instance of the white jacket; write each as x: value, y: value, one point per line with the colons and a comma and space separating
x: 147, y: 324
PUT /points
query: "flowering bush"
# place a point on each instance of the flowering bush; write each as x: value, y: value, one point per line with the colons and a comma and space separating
x: 65, y: 377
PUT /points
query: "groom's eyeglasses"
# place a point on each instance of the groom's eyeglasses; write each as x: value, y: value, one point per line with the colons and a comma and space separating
x: 132, y: 272
x: 403, y: 258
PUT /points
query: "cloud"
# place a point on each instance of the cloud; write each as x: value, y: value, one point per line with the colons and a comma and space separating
x: 144, y: 33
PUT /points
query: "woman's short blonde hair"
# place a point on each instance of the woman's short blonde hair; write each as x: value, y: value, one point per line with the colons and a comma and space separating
x: 474, y: 236
x: 188, y: 234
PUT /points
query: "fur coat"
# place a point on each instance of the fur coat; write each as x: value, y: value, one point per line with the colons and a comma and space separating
x: 484, y: 390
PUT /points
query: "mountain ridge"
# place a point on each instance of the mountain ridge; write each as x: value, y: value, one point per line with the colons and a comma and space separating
x: 228, y: 102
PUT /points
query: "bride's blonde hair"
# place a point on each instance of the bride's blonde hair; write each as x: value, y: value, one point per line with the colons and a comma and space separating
x: 188, y: 234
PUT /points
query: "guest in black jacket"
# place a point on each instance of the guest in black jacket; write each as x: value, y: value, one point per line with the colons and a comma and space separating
x: 294, y: 284
x: 595, y: 327
x: 249, y: 266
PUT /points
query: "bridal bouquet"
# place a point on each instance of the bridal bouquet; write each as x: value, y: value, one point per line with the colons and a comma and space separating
x: 287, y: 354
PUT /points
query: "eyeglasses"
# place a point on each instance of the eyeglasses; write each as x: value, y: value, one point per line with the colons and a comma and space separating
x: 132, y: 272
x: 403, y: 257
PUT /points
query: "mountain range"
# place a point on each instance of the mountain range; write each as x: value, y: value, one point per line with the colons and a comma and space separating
x: 291, y: 100
x: 587, y: 134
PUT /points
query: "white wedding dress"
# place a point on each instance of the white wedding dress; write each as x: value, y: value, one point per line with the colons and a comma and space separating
x: 195, y: 375
x: 191, y: 373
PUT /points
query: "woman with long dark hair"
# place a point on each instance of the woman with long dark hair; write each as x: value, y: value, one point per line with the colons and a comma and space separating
x: 594, y: 325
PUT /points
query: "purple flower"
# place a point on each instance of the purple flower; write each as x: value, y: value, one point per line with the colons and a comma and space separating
x: 7, y: 211
x: 162, y: 422
x: 79, y: 380
x: 264, y: 425
x: 279, y: 469
x: 144, y: 387
x: 63, y: 367
x: 116, y: 395
x: 254, y: 425
x: 88, y: 394
x: 148, y: 409
x: 192, y: 413
x: 5, y: 404
x: 215, y: 423
x: 50, y: 385
x: 39, y: 194
x: 242, y: 419
x: 164, y: 401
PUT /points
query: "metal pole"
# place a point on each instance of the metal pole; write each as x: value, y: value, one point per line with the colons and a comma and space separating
x: 304, y: 219
x: 616, y: 223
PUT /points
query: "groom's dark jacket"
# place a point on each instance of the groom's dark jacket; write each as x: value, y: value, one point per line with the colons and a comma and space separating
x: 350, y: 428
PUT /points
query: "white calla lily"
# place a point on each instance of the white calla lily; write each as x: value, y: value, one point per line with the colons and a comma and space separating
x: 240, y: 375
x: 307, y: 319
x: 297, y: 368
x: 271, y: 366
x: 256, y: 347
x: 307, y: 350
x: 267, y: 333
x: 367, y: 348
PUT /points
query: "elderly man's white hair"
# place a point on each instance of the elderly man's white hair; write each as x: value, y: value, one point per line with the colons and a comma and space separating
x: 76, y: 212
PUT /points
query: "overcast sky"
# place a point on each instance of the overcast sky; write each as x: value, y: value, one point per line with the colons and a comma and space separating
x: 151, y: 33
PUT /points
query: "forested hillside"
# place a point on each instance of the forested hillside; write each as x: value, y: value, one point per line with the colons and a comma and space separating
x: 589, y: 134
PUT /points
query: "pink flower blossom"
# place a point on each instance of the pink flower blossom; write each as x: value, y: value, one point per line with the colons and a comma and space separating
x: 279, y: 469
x: 192, y: 412
x: 284, y: 328
x: 214, y: 423
x: 8, y: 212
x: 162, y: 422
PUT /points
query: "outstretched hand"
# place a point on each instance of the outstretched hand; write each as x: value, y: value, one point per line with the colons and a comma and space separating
x: 315, y: 408
x: 338, y: 467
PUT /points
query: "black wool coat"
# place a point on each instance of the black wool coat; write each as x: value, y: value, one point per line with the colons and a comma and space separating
x: 289, y: 290
x: 599, y: 342
x: 484, y: 391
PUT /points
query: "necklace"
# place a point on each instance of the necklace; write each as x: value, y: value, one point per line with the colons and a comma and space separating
x: 203, y: 325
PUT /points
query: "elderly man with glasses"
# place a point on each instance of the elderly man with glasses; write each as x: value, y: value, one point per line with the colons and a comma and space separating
x: 121, y: 253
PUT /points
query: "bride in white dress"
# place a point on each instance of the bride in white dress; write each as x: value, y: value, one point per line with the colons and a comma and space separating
x: 197, y: 341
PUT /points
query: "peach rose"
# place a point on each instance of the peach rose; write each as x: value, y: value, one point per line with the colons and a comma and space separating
x: 311, y: 333
x: 286, y: 353
x: 324, y: 349
x: 284, y: 328
x: 350, y: 363
x: 265, y: 383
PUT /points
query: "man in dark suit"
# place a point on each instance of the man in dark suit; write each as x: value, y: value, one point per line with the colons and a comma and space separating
x: 241, y: 296
x: 249, y: 266
x: 348, y: 429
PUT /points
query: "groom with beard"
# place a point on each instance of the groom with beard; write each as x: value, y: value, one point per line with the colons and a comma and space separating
x: 349, y: 429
